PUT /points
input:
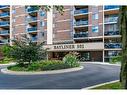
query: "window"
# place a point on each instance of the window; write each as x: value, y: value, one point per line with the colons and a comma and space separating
x: 85, y: 56
x: 42, y: 13
x: 95, y: 16
x: 42, y: 34
x: 42, y: 23
x: 13, y: 20
x: 13, y: 11
x: 94, y: 28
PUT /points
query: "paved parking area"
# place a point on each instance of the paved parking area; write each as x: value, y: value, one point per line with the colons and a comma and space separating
x: 92, y: 74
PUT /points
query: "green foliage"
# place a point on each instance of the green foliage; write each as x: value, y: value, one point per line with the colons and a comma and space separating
x: 116, y: 59
x: 17, y: 68
x: 43, y: 65
x: 71, y: 60
x: 6, y: 50
x: 53, y: 65
x: 58, y: 8
x: 6, y: 60
x: 26, y: 52
x: 115, y: 85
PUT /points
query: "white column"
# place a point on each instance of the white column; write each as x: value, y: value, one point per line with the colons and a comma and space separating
x: 103, y: 35
x: 10, y: 25
x: 50, y: 26
x: 103, y: 56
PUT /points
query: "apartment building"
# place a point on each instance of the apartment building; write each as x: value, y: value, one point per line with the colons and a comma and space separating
x: 4, y: 24
x: 27, y: 20
x: 91, y: 31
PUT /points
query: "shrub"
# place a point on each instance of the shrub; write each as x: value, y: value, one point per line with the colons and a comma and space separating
x: 116, y: 59
x: 43, y: 65
x: 53, y: 65
x: 6, y: 60
x: 71, y: 60
x: 6, y: 50
x: 17, y: 68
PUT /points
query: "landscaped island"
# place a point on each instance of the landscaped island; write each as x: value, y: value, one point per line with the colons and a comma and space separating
x: 69, y: 61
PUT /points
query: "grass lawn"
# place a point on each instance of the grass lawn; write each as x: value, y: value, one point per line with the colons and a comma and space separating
x: 115, y: 85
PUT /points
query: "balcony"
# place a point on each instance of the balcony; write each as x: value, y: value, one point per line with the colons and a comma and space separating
x: 110, y: 7
x: 111, y: 19
x: 113, y: 45
x: 80, y: 35
x: 110, y: 33
x: 4, y: 41
x: 32, y: 9
x: 4, y: 32
x: 32, y: 29
x: 113, y: 53
x: 4, y: 23
x: 5, y: 14
x: 3, y: 6
x: 32, y: 19
x: 81, y: 22
x: 81, y: 11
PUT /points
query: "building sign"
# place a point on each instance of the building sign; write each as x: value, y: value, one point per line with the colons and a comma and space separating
x: 76, y: 47
x: 71, y: 46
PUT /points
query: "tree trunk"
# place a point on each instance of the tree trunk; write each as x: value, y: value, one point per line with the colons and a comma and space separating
x: 123, y: 31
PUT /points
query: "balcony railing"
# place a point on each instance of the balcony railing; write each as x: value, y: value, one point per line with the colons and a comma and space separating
x: 108, y: 33
x: 4, y: 32
x: 4, y: 23
x: 114, y: 53
x: 4, y: 41
x: 31, y: 19
x: 111, y: 19
x: 81, y: 35
x: 3, y: 6
x: 110, y: 7
x: 33, y: 29
x: 81, y: 11
x: 4, y: 14
x: 113, y: 45
x: 32, y: 9
x: 82, y: 22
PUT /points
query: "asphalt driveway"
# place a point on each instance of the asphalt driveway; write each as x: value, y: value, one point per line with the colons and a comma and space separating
x: 92, y: 74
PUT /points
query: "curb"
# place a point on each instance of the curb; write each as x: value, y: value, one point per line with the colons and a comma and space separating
x: 100, y: 85
x: 6, y: 71
x: 12, y: 63
x: 101, y: 63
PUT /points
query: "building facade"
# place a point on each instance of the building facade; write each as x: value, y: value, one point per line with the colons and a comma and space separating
x: 4, y: 24
x: 92, y: 31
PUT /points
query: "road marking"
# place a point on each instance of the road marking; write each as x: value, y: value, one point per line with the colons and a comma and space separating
x: 94, y: 86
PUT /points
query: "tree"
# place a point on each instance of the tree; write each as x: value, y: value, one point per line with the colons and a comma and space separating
x: 25, y: 51
x: 46, y: 8
x: 123, y: 30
